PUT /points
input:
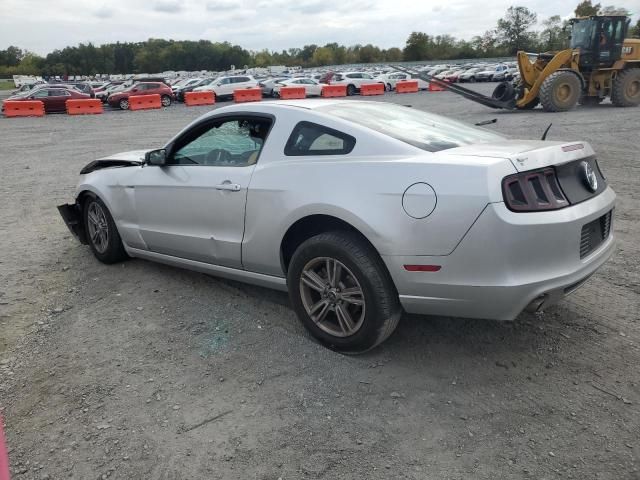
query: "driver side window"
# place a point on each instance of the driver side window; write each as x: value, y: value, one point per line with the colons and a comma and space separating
x: 226, y: 143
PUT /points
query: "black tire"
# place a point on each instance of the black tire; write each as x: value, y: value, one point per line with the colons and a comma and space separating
x: 124, y: 104
x: 560, y: 91
x: 381, y: 309
x: 626, y: 88
x: 165, y: 100
x: 504, y: 92
x: 531, y: 105
x: 472, y: 80
x: 351, y: 90
x: 112, y: 251
x: 388, y: 87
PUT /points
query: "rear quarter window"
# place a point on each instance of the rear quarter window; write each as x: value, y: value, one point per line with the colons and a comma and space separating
x: 310, y: 139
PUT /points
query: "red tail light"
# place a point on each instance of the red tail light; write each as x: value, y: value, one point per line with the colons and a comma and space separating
x: 536, y: 190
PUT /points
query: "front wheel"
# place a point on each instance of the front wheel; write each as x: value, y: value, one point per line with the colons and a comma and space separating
x: 166, y: 101
x: 124, y: 104
x: 342, y: 292
x: 388, y: 87
x: 560, y: 91
x: 351, y: 90
x: 101, y: 232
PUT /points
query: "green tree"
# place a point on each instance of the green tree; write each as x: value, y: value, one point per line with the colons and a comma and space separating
x: 322, y: 56
x: 613, y: 10
x: 635, y: 31
x: 553, y: 36
x: 417, y: 47
x: 513, y: 29
x: 587, y: 9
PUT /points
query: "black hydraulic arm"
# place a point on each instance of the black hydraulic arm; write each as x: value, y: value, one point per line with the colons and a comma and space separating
x: 457, y: 89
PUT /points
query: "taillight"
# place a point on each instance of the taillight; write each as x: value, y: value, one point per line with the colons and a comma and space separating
x: 533, y: 191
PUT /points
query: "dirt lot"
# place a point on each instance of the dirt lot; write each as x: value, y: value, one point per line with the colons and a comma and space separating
x: 142, y: 371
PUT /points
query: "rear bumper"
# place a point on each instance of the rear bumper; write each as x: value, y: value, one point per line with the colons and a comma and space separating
x: 506, y: 263
x: 72, y: 216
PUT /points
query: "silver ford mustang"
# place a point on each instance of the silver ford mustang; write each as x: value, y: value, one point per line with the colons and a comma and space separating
x: 360, y: 210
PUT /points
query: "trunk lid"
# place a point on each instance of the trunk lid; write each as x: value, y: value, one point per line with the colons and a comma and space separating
x: 527, y: 154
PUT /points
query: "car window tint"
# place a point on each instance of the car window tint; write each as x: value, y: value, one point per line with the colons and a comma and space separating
x: 312, y: 139
x: 41, y: 94
x: 232, y: 143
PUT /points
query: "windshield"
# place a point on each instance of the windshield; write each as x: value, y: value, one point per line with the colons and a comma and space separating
x: 426, y: 131
x: 582, y: 33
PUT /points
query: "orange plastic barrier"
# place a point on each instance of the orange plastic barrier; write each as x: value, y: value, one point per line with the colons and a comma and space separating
x: 329, y: 91
x: 26, y: 108
x: 82, y: 106
x: 407, y: 86
x: 192, y: 99
x: 372, y: 89
x: 247, y: 95
x: 144, y: 102
x: 291, y: 93
x: 435, y: 88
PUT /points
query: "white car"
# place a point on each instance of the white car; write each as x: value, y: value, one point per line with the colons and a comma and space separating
x: 353, y: 80
x: 469, y: 75
x: 390, y: 79
x: 359, y: 209
x: 226, y: 85
x: 312, y: 87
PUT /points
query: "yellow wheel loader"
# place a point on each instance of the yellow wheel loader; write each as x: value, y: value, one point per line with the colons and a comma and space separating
x: 601, y: 62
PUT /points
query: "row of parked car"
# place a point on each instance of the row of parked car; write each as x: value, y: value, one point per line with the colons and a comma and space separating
x: 116, y: 93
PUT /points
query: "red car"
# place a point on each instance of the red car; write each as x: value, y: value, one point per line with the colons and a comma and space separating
x: 52, y: 96
x: 121, y: 99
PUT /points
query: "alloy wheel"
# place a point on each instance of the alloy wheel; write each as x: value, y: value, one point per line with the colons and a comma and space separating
x: 98, y: 228
x: 332, y: 296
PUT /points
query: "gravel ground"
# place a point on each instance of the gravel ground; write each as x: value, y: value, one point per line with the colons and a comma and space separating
x: 143, y: 371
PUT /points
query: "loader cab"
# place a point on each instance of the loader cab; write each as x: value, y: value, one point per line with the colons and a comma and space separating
x: 599, y: 40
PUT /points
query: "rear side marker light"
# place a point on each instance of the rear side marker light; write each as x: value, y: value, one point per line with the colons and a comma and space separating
x: 537, y: 190
x: 422, y: 268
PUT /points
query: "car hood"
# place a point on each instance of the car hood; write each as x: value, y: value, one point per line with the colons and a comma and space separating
x: 527, y: 154
x: 131, y: 156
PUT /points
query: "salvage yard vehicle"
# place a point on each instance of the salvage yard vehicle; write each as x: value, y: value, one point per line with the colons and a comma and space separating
x: 360, y: 210
x: 223, y: 87
x: 121, y: 99
x: 353, y: 81
x: 53, y: 97
x: 312, y: 87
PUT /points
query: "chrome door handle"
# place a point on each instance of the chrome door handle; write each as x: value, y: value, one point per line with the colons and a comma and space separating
x: 231, y: 187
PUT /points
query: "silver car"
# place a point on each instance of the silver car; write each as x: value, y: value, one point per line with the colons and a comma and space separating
x: 360, y: 210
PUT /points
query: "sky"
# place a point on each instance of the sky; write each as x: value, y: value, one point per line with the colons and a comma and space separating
x: 42, y: 25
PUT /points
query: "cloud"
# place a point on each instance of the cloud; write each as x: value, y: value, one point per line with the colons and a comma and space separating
x: 103, y: 12
x: 168, y: 6
x: 221, y: 5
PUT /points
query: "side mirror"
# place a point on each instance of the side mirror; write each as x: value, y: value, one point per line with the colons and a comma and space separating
x: 156, y: 157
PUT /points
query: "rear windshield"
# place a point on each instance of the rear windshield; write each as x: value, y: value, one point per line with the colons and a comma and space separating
x: 426, y: 131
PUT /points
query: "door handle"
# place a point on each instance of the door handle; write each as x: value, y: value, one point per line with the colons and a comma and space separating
x: 228, y: 186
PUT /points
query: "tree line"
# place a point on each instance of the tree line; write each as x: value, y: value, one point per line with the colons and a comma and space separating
x: 513, y: 32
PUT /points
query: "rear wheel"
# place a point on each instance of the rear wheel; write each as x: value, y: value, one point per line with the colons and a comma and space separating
x: 560, y: 91
x: 165, y: 100
x: 102, y: 234
x: 626, y: 88
x: 124, y: 104
x: 351, y: 90
x: 388, y: 87
x: 342, y: 293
